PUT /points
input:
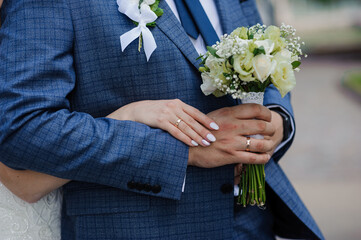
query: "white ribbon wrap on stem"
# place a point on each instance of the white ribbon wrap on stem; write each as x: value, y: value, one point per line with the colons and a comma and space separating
x: 143, y: 16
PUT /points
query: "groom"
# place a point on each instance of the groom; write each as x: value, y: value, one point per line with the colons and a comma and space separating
x: 62, y: 69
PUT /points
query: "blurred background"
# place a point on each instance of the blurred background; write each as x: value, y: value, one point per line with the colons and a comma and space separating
x: 324, y: 163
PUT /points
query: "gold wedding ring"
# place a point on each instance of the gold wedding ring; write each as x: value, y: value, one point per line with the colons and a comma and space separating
x: 177, y: 122
x: 248, y: 144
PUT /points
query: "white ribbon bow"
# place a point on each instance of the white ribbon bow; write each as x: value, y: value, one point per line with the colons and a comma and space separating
x: 143, y: 16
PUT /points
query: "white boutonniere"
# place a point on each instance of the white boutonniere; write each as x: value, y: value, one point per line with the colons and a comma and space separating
x: 143, y: 13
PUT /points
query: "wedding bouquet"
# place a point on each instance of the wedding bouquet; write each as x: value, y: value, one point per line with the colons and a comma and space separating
x: 242, y: 65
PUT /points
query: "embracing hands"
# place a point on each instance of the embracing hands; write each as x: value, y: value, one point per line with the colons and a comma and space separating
x: 230, y: 148
x: 221, y: 132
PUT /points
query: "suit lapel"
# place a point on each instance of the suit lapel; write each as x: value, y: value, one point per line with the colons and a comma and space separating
x: 230, y: 14
x: 172, y: 28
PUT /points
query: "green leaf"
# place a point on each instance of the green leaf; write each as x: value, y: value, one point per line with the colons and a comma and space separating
x: 250, y: 35
x: 159, y: 12
x: 152, y: 24
x: 203, y: 61
x: 258, y: 51
x: 227, y: 75
x: 296, y: 64
x: 213, y: 51
x: 154, y: 6
x: 202, y: 69
x: 231, y: 60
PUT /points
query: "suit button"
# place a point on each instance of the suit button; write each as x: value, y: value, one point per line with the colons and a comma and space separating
x: 227, y: 188
x: 156, y: 188
x: 147, y: 187
x: 131, y: 184
x: 140, y: 186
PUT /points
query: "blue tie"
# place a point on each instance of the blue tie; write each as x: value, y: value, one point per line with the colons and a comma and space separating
x: 196, y: 19
x: 186, y: 19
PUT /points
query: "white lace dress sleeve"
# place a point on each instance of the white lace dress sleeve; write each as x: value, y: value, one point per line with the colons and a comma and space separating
x: 20, y: 220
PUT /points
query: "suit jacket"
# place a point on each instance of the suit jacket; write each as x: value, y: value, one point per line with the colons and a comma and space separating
x: 62, y: 71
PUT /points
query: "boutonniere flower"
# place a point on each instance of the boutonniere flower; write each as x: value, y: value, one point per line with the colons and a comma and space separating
x: 143, y: 13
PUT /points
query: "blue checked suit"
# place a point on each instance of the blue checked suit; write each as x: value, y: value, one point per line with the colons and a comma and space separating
x: 62, y: 71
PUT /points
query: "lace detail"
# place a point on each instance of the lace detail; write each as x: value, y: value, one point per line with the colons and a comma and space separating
x: 20, y: 220
x: 253, y: 97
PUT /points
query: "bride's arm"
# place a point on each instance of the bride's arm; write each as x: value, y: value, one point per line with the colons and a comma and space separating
x: 29, y: 185
x: 192, y: 130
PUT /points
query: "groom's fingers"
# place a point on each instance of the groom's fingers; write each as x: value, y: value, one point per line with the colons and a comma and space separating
x: 255, y: 145
x: 251, y: 158
x: 253, y: 127
x: 251, y: 111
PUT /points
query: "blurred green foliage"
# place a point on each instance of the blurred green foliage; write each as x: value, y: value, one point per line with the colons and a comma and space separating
x: 353, y: 81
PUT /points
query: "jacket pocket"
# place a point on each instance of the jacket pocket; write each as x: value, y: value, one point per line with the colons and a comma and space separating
x: 103, y: 200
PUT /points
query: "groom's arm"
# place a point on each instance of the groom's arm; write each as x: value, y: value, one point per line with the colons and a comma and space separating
x: 273, y: 100
x: 38, y: 129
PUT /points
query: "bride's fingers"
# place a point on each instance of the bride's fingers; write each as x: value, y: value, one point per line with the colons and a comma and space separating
x: 178, y: 134
x: 200, y: 117
x: 197, y: 132
x: 185, y: 128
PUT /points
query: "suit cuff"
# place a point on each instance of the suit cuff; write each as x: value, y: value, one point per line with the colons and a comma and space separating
x: 292, y: 133
x: 184, y: 183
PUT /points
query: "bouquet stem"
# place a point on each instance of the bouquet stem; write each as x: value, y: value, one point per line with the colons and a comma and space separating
x: 252, y: 188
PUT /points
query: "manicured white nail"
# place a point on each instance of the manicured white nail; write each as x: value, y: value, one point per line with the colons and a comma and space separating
x: 211, y: 137
x: 214, y: 126
x: 205, y: 142
x: 194, y: 143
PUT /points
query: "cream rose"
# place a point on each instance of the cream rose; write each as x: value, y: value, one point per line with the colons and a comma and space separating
x: 208, y: 86
x: 267, y: 44
x: 283, y: 77
x: 263, y: 66
x: 243, y: 65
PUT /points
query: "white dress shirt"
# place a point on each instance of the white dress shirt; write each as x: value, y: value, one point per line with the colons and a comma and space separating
x: 211, y: 10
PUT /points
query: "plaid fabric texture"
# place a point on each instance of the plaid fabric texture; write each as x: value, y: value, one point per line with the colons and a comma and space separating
x: 62, y: 71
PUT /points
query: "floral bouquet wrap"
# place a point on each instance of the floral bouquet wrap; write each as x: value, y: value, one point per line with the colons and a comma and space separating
x: 243, y: 64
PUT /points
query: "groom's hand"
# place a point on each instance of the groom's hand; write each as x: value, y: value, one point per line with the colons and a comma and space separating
x: 229, y: 148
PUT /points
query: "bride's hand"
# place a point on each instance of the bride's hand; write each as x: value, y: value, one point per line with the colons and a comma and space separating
x: 181, y: 120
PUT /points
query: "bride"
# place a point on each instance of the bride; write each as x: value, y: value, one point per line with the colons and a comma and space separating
x: 30, y: 202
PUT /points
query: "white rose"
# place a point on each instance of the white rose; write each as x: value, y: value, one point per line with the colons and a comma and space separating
x: 243, y: 66
x: 285, y: 55
x: 208, y: 86
x: 263, y: 66
x: 284, y: 77
x: 267, y: 44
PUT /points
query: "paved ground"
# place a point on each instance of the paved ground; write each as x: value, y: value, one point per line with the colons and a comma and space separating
x: 324, y: 163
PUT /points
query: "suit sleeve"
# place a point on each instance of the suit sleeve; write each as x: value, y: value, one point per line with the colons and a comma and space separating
x: 39, y: 130
x: 273, y: 98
